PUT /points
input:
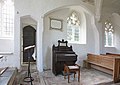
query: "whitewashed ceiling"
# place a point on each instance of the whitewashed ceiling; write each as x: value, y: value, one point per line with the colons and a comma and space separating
x: 111, y: 4
x: 89, y: 1
x: 109, y: 7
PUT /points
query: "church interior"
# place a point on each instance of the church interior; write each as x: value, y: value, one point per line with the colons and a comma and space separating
x: 59, y: 42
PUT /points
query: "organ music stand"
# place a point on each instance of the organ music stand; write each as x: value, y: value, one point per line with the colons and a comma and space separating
x: 29, y: 78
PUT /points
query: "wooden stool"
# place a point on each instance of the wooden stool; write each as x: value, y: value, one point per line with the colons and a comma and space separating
x: 71, y: 69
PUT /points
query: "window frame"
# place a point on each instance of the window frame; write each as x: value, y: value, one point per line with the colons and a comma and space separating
x: 107, y: 30
x: 73, y: 23
x: 73, y: 34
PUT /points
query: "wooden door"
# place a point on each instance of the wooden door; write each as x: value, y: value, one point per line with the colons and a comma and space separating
x: 29, y: 38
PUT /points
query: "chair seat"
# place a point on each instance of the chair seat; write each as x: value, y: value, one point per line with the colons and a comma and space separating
x: 68, y: 70
x: 73, y: 67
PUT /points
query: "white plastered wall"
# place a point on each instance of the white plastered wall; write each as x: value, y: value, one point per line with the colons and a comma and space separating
x: 115, y: 19
x: 51, y: 36
x: 37, y: 9
x: 112, y: 15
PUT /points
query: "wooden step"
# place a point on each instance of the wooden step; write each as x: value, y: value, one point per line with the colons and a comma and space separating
x: 8, y: 77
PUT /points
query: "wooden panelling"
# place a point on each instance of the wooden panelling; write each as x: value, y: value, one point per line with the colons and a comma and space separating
x: 102, y: 69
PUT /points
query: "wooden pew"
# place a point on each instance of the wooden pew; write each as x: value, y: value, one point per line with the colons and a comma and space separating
x: 114, y: 54
x: 106, y: 63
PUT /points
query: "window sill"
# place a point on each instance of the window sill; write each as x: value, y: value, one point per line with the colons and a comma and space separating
x: 6, y: 53
x: 6, y: 38
x: 76, y: 43
x: 109, y: 46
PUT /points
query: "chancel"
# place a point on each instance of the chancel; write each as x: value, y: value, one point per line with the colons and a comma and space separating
x: 82, y: 34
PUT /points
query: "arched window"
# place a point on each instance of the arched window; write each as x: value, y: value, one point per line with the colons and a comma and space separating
x: 109, y: 34
x: 6, y: 18
x: 73, y: 28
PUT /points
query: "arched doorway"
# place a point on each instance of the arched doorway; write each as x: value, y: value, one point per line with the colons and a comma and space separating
x: 29, y: 39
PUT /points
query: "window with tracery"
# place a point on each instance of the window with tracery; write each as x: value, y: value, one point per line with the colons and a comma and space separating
x: 109, y: 34
x: 6, y: 18
x: 73, y: 28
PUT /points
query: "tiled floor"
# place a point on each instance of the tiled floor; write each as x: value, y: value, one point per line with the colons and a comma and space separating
x: 24, y: 73
x: 88, y: 77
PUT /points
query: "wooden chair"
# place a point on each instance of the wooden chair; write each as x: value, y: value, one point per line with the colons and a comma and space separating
x: 68, y: 70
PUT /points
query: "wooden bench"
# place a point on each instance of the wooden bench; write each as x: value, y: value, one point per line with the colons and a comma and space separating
x: 106, y: 63
x: 114, y: 54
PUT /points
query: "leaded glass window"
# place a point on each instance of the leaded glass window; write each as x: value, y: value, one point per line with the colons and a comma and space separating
x: 109, y: 34
x: 6, y: 18
x: 73, y: 28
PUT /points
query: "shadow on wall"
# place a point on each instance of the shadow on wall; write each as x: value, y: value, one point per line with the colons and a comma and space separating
x: 7, y: 45
x: 110, y: 50
x: 48, y: 58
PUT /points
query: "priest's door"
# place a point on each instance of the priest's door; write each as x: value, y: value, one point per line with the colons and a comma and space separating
x: 29, y: 39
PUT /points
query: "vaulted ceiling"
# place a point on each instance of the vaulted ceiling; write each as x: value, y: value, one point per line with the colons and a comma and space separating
x: 111, y: 4
x: 107, y: 7
x: 89, y: 1
x: 114, y: 4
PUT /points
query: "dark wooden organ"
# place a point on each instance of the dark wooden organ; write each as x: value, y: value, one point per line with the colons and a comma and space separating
x: 62, y: 54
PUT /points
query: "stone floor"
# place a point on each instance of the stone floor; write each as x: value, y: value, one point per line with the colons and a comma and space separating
x: 88, y: 77
x: 23, y: 72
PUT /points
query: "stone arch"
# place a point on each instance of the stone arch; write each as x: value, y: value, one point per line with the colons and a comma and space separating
x: 93, y: 20
x: 58, y: 8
